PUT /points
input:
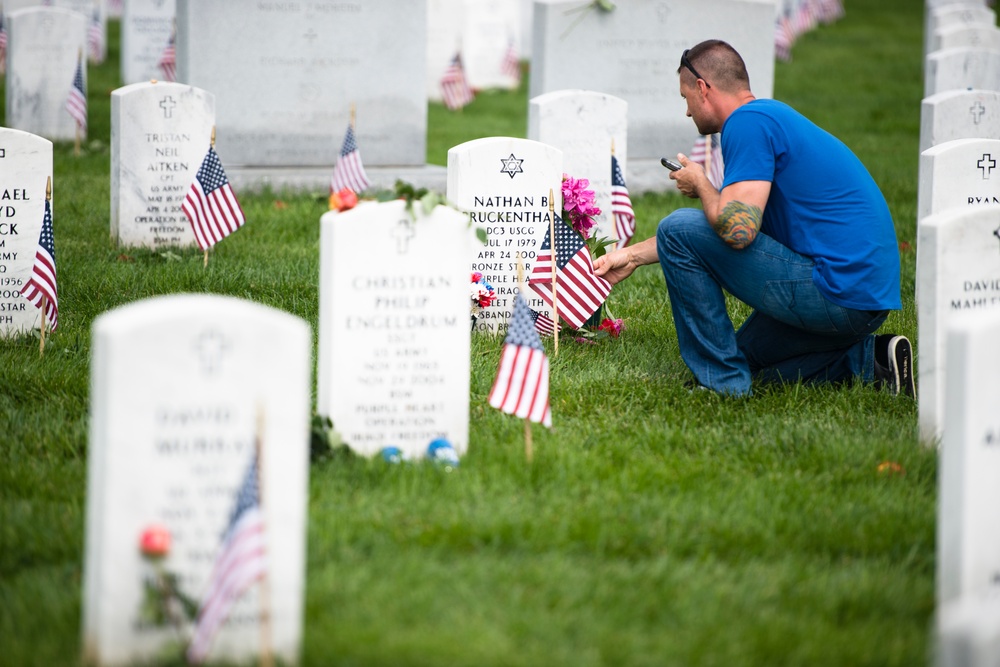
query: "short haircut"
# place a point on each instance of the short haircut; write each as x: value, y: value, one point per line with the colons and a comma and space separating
x: 720, y: 65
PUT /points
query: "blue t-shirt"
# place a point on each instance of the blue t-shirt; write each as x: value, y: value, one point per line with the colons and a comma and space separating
x: 823, y: 203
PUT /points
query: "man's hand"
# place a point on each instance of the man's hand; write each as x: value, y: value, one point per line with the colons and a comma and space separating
x: 690, y: 177
x: 619, y: 264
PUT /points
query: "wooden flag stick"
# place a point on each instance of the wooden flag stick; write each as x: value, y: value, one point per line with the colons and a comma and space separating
x: 552, y: 251
x: 76, y: 144
x: 353, y: 114
x: 266, y: 651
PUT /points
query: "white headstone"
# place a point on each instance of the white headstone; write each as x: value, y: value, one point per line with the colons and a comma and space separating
x: 160, y: 133
x: 183, y: 388
x: 958, y: 174
x: 968, y: 561
x: 94, y: 12
x: 959, y: 114
x: 958, y: 270
x: 286, y: 75
x: 42, y: 50
x: 947, y: 14
x: 146, y: 27
x: 634, y: 51
x: 444, y: 39
x: 584, y: 125
x: 968, y: 632
x: 489, y: 29
x: 503, y: 183
x: 394, y: 327
x: 976, y: 35
x: 25, y: 168
x: 961, y: 68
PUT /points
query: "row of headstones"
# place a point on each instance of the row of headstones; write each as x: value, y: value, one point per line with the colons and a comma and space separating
x: 184, y: 387
x: 958, y: 291
x: 316, y: 72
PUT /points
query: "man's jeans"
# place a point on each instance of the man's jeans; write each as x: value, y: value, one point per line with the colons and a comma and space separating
x: 794, y: 334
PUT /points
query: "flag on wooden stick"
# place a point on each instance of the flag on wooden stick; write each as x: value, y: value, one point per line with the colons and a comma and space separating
x: 454, y: 86
x: 211, y: 204
x: 95, y: 38
x: 621, y: 205
x: 41, y: 287
x: 76, y: 102
x: 242, y: 560
x: 349, y: 172
x: 708, y: 153
x: 521, y: 387
x: 168, y: 60
x: 581, y: 292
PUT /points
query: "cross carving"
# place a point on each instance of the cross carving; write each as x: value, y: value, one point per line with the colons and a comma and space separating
x: 168, y: 104
x: 403, y: 233
x: 986, y: 164
x: 977, y: 111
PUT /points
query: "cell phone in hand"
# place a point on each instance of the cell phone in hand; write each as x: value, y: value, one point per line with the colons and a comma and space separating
x: 672, y: 165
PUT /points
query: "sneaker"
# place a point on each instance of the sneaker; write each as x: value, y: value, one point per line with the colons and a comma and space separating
x: 894, y: 364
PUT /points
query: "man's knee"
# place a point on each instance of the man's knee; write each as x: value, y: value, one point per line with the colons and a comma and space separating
x: 684, y: 228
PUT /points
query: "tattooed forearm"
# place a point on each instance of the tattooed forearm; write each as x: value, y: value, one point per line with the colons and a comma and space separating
x: 738, y: 224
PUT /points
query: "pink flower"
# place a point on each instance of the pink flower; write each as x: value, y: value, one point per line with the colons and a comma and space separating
x: 155, y: 541
x: 578, y: 204
x: 613, y: 327
x: 477, y: 276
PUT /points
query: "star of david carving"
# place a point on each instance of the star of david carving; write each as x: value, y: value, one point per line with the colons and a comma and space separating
x: 511, y: 165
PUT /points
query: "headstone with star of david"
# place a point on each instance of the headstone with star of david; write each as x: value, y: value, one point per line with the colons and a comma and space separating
x: 287, y: 75
x: 160, y: 133
x: 146, y: 27
x: 958, y: 271
x: 394, y: 327
x: 184, y: 390
x: 633, y: 53
x: 25, y: 168
x: 503, y: 185
x: 959, y: 114
x: 968, y: 552
x: 584, y: 125
x: 961, y: 68
x: 43, y: 45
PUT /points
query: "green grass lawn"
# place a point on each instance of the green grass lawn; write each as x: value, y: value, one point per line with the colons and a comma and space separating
x: 654, y: 527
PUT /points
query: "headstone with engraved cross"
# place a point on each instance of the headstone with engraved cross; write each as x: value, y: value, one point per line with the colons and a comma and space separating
x: 160, y: 133
x: 287, y: 74
x: 959, y: 114
x: 976, y: 35
x: 394, y: 326
x: 949, y: 13
x: 25, y: 168
x: 185, y: 391
x: 958, y: 263
x: 968, y: 561
x: 43, y: 47
x: 146, y: 28
x: 503, y: 184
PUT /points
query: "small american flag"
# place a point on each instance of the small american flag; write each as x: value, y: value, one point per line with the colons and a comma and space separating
x: 511, y: 66
x: 95, y: 38
x: 76, y: 103
x: 168, y: 61
x: 543, y: 323
x: 784, y: 38
x: 349, y: 172
x: 621, y: 205
x: 521, y: 386
x: 454, y: 86
x: 43, y: 274
x: 709, y: 155
x: 241, y: 560
x: 579, y: 291
x: 211, y: 204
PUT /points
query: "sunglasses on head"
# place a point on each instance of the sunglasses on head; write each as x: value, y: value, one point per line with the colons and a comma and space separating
x: 687, y: 63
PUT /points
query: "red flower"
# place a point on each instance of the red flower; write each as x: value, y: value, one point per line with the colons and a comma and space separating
x: 155, y: 541
x: 613, y: 327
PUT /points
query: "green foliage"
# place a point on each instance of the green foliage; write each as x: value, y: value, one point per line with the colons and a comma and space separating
x: 655, y: 526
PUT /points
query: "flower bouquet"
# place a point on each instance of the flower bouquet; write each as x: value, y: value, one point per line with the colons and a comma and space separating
x: 482, y: 294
